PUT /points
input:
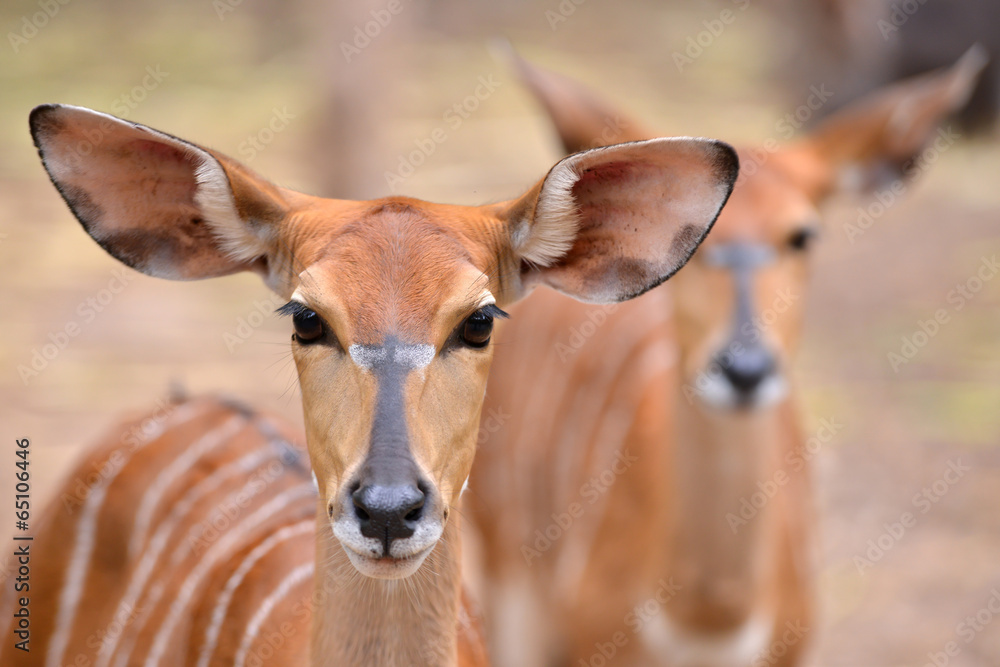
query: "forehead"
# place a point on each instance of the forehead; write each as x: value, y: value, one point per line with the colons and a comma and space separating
x: 766, y: 205
x: 394, y: 271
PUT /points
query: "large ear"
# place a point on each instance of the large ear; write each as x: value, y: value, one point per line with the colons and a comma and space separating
x: 582, y: 119
x: 608, y: 224
x: 161, y: 205
x: 879, y: 139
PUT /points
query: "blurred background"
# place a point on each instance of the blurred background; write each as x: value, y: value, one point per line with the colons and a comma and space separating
x: 341, y: 99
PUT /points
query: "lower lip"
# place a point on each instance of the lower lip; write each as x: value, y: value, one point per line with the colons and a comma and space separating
x: 388, y: 564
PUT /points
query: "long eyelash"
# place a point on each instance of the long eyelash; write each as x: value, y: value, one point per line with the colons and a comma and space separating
x: 293, y: 308
x: 494, y: 311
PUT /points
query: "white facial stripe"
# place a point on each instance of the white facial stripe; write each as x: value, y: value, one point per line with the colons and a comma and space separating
x: 367, y: 356
x: 414, y: 356
x: 409, y: 356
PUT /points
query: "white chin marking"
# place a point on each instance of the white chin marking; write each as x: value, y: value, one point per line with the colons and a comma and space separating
x: 715, y: 391
x: 746, y: 644
x: 387, y: 568
x: 405, y: 555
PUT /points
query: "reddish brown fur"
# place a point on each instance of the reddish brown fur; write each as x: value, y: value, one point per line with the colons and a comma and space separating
x: 109, y: 573
x: 575, y: 399
x: 393, y: 270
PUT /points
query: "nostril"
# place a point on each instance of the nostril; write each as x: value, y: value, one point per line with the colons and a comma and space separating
x: 745, y: 371
x: 416, y: 500
x: 389, y: 512
x: 358, y: 499
x: 414, y: 514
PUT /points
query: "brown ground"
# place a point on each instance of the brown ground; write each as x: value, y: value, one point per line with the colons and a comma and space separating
x: 900, y: 429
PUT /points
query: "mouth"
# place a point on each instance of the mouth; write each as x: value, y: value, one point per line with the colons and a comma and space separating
x: 371, y: 558
x: 714, y: 391
x: 387, y: 567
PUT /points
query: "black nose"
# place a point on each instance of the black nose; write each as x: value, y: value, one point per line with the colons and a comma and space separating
x: 746, y: 370
x: 388, y: 513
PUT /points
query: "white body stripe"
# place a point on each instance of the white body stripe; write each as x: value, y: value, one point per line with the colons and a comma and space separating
x: 219, y: 551
x: 83, y: 547
x: 170, y: 474
x: 233, y: 583
x: 159, y: 542
x: 296, y: 577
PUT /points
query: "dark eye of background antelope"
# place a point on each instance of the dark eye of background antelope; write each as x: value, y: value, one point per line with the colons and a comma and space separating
x: 477, y: 328
x: 801, y: 239
x: 308, y: 325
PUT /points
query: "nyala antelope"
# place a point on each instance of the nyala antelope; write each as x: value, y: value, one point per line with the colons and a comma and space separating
x: 610, y: 504
x: 392, y: 303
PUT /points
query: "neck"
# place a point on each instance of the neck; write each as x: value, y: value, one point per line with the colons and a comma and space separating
x: 729, y: 474
x: 397, y: 623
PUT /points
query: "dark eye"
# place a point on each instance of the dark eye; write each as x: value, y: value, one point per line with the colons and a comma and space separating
x: 801, y: 239
x: 308, y: 325
x: 477, y: 329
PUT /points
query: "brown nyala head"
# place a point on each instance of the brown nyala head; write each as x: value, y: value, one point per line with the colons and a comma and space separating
x: 739, y: 303
x: 392, y: 301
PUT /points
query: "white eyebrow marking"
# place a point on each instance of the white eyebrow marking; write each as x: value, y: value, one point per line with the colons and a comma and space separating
x: 367, y: 356
x: 414, y: 356
x: 409, y: 356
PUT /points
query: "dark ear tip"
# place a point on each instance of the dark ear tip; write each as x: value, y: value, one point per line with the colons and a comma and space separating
x: 727, y: 162
x: 43, y: 118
